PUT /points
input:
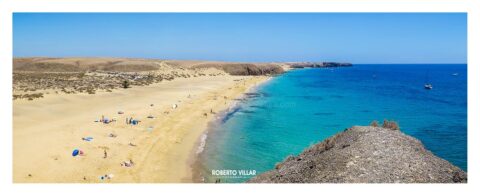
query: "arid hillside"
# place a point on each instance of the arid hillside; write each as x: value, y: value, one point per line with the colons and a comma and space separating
x: 137, y: 65
x: 35, y: 77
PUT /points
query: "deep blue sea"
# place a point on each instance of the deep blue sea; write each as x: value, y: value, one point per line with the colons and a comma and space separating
x: 304, y: 106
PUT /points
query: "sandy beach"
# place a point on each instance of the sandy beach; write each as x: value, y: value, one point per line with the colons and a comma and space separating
x: 47, y: 130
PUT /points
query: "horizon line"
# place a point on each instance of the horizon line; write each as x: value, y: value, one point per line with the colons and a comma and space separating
x: 233, y: 61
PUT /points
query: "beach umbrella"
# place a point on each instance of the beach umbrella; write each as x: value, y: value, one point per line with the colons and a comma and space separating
x: 75, y: 152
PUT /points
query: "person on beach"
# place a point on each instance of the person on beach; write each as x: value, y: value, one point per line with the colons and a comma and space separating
x: 127, y: 164
x: 105, y: 153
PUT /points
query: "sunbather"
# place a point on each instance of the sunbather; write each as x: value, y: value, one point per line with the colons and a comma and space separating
x: 127, y: 164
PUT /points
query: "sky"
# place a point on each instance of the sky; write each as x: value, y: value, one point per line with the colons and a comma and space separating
x: 247, y: 37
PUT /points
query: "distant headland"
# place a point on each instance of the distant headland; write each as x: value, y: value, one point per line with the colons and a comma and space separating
x: 318, y: 64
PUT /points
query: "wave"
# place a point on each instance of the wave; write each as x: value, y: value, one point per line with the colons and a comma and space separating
x: 203, y: 140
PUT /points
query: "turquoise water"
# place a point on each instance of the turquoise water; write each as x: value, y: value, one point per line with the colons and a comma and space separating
x: 297, y: 109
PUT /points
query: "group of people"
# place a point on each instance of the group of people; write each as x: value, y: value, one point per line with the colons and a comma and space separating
x: 106, y: 120
x: 128, y: 163
x: 131, y: 121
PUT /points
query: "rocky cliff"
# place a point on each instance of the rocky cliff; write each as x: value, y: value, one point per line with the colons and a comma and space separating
x: 318, y: 64
x: 246, y: 68
x: 365, y: 155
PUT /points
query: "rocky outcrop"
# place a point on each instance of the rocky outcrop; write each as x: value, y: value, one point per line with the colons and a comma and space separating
x: 252, y: 69
x: 245, y: 69
x: 365, y: 155
x: 318, y: 64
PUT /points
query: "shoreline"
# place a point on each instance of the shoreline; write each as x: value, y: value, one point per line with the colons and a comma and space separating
x: 196, y: 159
x: 161, y: 154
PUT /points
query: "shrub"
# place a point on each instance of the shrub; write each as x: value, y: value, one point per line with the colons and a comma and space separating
x: 390, y: 125
x: 374, y: 123
x: 91, y: 91
x: 125, y: 84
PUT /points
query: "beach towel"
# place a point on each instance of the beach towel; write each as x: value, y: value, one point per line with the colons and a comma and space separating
x: 87, y: 139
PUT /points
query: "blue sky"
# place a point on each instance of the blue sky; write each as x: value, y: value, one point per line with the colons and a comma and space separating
x: 254, y: 37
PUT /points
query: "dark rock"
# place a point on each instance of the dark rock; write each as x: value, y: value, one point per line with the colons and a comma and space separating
x: 318, y: 64
x: 245, y: 68
x: 365, y: 155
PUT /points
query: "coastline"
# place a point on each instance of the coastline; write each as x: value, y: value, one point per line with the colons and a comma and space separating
x: 196, y: 154
x: 162, y: 148
x: 244, y: 140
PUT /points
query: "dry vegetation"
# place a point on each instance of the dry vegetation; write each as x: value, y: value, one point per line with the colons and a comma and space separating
x: 34, y: 77
x: 390, y: 125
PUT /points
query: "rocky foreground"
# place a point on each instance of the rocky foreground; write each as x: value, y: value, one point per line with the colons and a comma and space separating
x: 365, y: 155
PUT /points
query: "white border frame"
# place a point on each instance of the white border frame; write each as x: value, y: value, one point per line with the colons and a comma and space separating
x: 7, y: 7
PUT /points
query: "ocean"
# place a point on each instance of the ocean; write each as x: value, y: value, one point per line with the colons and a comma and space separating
x: 295, y: 110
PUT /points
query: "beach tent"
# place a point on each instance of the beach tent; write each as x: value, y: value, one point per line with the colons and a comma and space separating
x: 77, y: 152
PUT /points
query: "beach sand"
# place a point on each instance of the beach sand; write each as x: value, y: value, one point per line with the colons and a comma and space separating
x: 47, y: 130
